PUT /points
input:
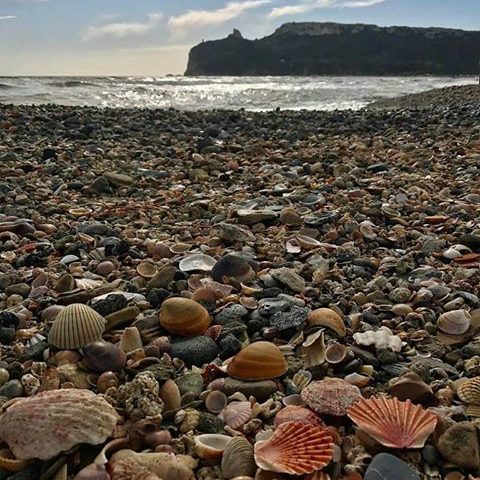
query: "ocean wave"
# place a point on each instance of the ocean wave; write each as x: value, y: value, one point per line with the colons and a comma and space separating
x: 4, y: 86
x: 71, y: 83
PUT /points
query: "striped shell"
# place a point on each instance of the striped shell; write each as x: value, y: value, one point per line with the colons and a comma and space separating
x: 332, y: 396
x: 238, y: 459
x: 393, y: 423
x: 295, y: 448
x: 236, y: 414
x: 469, y: 391
x: 185, y: 317
x: 293, y: 413
x: 51, y: 422
x: 75, y: 326
x: 455, y: 322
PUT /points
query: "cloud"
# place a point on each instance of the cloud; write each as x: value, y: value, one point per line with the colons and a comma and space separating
x: 122, y: 29
x: 309, y: 5
x: 7, y: 17
x: 192, y: 19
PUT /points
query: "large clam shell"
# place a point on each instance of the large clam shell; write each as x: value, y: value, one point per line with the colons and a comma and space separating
x: 326, y: 317
x: 51, y: 422
x: 382, y: 338
x: 185, y: 317
x: 258, y: 361
x: 393, y: 423
x: 295, y: 448
x: 238, y: 459
x: 455, y: 322
x: 76, y: 326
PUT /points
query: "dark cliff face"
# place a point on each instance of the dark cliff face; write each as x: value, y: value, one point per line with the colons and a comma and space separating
x: 337, y: 49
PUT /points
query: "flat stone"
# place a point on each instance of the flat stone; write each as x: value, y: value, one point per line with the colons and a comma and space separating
x: 388, y: 467
x: 290, y: 278
x: 195, y: 351
x: 459, y: 445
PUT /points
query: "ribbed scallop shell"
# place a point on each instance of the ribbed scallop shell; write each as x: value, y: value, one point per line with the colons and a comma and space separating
x: 258, y: 361
x: 393, y: 423
x: 75, y: 326
x: 185, y: 317
x: 238, y: 459
x: 469, y: 391
x: 331, y: 396
x: 236, y: 414
x: 295, y: 448
x: 293, y: 413
x: 381, y: 338
x: 51, y: 422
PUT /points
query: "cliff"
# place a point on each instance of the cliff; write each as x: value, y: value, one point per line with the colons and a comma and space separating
x: 340, y: 49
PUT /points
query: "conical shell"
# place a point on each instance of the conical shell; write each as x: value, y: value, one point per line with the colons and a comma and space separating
x: 238, y: 459
x: 51, y: 422
x: 331, y: 396
x: 455, y: 322
x: 185, y: 317
x: 326, y: 317
x: 258, y: 361
x: 75, y: 326
x: 236, y: 414
x: 469, y: 391
x: 298, y: 414
x: 131, y: 340
x: 170, y: 394
x: 295, y: 448
x: 382, y: 338
x: 393, y: 423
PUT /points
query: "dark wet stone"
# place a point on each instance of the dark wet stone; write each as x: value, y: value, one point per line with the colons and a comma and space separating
x: 231, y: 313
x: 430, y: 454
x: 21, y: 289
x: 229, y: 346
x: 112, y: 303
x: 260, y: 390
x: 388, y: 467
x: 115, y: 246
x: 7, y: 335
x: 49, y: 153
x: 296, y: 317
x: 470, y: 240
x: 190, y: 382
x: 156, y: 296
x: 101, y: 186
x: 270, y: 306
x: 11, y: 389
x: 271, y: 292
x: 8, y: 320
x: 195, y: 351
x: 459, y: 445
x: 34, y: 352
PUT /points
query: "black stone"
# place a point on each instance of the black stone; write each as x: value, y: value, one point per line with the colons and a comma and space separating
x: 112, y: 303
x: 8, y: 320
x: 296, y: 317
x: 34, y: 352
x: 7, y: 335
x: 195, y: 351
x: 156, y: 296
x: 387, y: 467
x: 229, y: 346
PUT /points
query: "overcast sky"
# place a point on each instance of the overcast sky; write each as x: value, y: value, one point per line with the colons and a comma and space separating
x: 153, y: 37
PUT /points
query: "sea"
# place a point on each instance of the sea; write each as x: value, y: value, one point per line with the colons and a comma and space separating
x: 205, y: 93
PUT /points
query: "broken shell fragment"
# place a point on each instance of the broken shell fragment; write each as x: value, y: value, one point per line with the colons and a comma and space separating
x: 382, y: 338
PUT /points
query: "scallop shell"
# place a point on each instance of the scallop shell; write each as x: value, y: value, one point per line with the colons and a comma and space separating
x: 455, y: 322
x: 238, y: 459
x: 469, y: 391
x: 331, y: 395
x: 146, y: 269
x: 197, y: 262
x: 313, y: 349
x: 382, y: 338
x: 296, y: 449
x: 326, y: 317
x: 335, y: 353
x: 65, y: 418
x: 298, y: 414
x: 301, y: 379
x: 76, y: 326
x: 185, y: 317
x: 232, y: 266
x: 393, y: 423
x: 236, y: 414
x: 211, y: 445
x: 258, y: 361
x: 216, y: 401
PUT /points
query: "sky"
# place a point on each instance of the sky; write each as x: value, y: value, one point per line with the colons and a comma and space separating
x: 153, y: 37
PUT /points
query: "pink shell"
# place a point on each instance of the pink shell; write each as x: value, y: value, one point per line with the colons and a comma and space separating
x: 393, y: 423
x: 295, y: 448
x: 236, y: 414
x: 295, y: 413
x: 331, y: 396
x: 51, y: 422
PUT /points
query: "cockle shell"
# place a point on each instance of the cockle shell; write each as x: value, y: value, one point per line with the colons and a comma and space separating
x: 298, y: 414
x: 76, y: 326
x: 301, y: 379
x: 326, y: 317
x: 455, y: 322
x: 393, y: 423
x: 185, y: 317
x: 51, y: 422
x: 236, y: 414
x: 258, y: 361
x: 331, y: 395
x: 469, y: 391
x: 197, y: 262
x: 238, y: 459
x: 382, y: 338
x: 313, y: 349
x: 295, y: 448
x: 211, y: 445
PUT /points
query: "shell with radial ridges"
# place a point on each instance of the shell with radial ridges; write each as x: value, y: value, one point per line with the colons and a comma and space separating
x: 238, y: 459
x: 44, y: 425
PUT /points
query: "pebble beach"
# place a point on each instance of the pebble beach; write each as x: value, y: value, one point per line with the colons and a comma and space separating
x: 241, y: 295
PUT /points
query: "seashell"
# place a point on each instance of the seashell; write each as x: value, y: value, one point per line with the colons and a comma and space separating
x: 236, y: 414
x: 293, y: 246
x: 180, y: 247
x: 147, y: 269
x: 393, y: 423
x: 411, y: 387
x: 10, y: 463
x: 154, y: 439
x: 216, y: 401
x: 248, y: 302
x: 293, y: 400
x: 204, y: 294
x: 131, y: 340
x: 331, y: 395
x: 455, y: 322
x: 326, y: 317
x: 168, y: 468
x: 313, y: 349
x: 358, y: 380
x: 335, y: 353
x: 106, y: 267
x: 158, y: 250
x: 307, y: 243
x: 301, y: 379
x: 107, y: 380
x: 103, y: 357
x: 65, y: 418
x: 232, y: 266
x: 93, y: 471
x: 79, y: 211
x: 76, y: 326
x: 320, y: 475
x: 170, y: 394
x: 211, y: 445
x: 64, y: 284
x: 51, y: 312
x: 298, y: 414
x: 469, y: 391
x: 238, y: 459
x: 295, y: 448
x: 185, y: 317
x: 367, y: 229
x: 258, y: 361
x: 382, y: 338
x: 197, y: 262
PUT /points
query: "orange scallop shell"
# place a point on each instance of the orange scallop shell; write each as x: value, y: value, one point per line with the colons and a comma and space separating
x: 393, y: 423
x: 185, y: 317
x: 295, y: 448
x: 293, y: 413
x: 258, y: 361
